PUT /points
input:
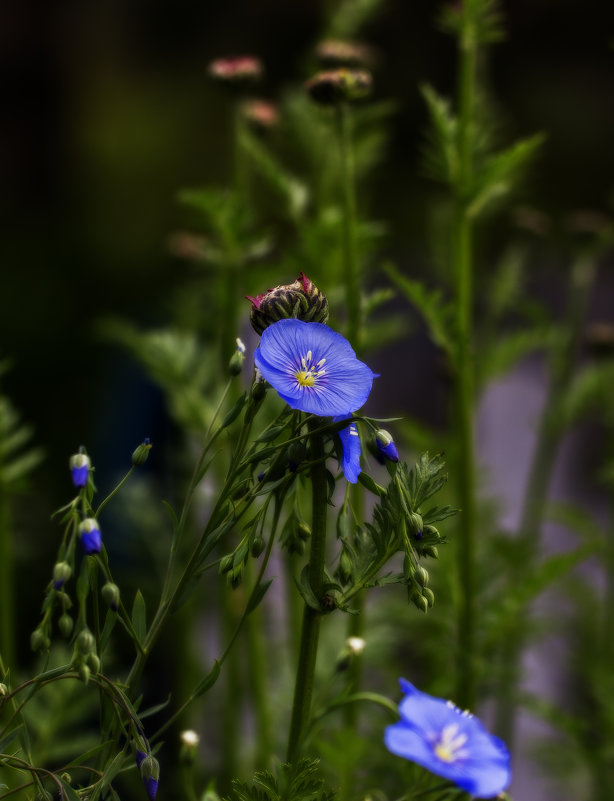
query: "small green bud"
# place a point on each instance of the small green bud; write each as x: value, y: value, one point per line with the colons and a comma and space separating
x: 86, y: 642
x: 304, y: 530
x: 415, y: 525
x: 257, y: 547
x: 65, y: 624
x: 66, y: 778
x: 226, y: 563
x: 235, y: 366
x: 140, y: 453
x: 431, y: 550
x: 39, y: 640
x: 62, y: 571
x: 258, y: 390
x: 420, y: 602
x: 84, y: 673
x: 3, y: 689
x: 428, y: 593
x: 422, y: 576
x: 93, y: 662
x: 345, y: 567
x: 235, y: 578
x: 110, y: 595
x: 432, y: 533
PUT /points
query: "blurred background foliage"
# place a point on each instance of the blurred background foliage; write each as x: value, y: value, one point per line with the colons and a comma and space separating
x: 110, y: 116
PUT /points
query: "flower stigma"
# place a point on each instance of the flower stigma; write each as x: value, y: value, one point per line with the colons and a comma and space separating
x: 449, y: 747
x: 308, y: 376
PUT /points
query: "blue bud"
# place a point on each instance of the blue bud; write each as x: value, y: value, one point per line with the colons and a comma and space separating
x: 89, y: 532
x: 79, y: 466
x: 386, y: 447
x: 151, y: 785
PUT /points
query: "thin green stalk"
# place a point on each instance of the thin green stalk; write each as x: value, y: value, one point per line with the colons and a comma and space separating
x: 305, y: 675
x: 462, y: 255
x: 351, y: 278
x: 114, y: 491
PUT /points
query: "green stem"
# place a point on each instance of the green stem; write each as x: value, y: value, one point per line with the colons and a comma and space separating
x: 464, y: 406
x: 114, y: 492
x: 305, y: 675
x: 350, y: 244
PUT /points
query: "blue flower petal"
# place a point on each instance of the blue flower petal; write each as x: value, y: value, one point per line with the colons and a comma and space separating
x: 313, y: 368
x: 451, y: 743
x: 350, y: 442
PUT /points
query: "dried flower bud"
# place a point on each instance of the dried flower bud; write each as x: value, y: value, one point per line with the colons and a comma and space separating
x: 89, y: 532
x: 62, y: 571
x: 336, y: 86
x: 340, y: 53
x: 110, y: 595
x: 79, y: 465
x: 260, y: 115
x: 301, y: 300
x: 239, y: 72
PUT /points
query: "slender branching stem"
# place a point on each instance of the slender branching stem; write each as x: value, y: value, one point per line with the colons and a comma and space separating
x: 305, y: 675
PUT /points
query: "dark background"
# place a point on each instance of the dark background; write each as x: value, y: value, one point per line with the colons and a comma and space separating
x: 108, y: 112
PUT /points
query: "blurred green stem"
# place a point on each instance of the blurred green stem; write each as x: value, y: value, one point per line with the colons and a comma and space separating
x: 462, y: 256
x: 549, y: 434
x: 350, y: 244
x: 303, y: 688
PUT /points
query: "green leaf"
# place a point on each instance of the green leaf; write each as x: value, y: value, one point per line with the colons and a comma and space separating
x: 257, y: 596
x: 139, y: 616
x: 441, y: 159
x: 304, y: 587
x: 113, y: 769
x: 8, y: 738
x: 371, y: 485
x: 232, y: 414
x: 207, y: 683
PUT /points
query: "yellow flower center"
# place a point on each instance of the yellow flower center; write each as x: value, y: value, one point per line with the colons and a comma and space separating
x: 308, y: 376
x: 450, y: 744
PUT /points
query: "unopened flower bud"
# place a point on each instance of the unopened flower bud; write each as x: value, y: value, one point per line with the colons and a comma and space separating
x: 432, y: 533
x: 90, y: 536
x: 430, y: 550
x: 110, y: 595
x: 93, y: 662
x: 61, y: 573
x: 150, y: 774
x: 141, y: 452
x: 226, y: 563
x: 301, y: 300
x: 385, y: 447
x: 428, y: 593
x: 336, y: 86
x: 420, y: 602
x: 235, y: 366
x: 296, y: 455
x: 84, y: 672
x: 86, y: 642
x: 257, y: 547
x: 65, y: 624
x: 415, y: 525
x: 422, y: 576
x: 39, y: 640
x: 66, y: 778
x: 238, y: 73
x: 3, y: 689
x: 79, y: 466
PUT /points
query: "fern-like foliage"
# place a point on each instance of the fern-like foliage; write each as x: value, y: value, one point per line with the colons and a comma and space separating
x: 300, y: 782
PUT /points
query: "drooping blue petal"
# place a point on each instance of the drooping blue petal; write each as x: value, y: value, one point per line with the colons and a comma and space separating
x: 453, y: 744
x: 313, y: 368
x: 350, y: 442
x: 79, y: 476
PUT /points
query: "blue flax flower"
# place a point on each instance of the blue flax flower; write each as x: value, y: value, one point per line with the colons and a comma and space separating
x: 79, y: 466
x: 454, y: 744
x: 350, y: 442
x: 313, y: 368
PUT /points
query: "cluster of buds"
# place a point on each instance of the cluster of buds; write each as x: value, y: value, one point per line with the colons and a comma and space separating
x: 85, y: 659
x: 301, y: 300
x: 341, y: 85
